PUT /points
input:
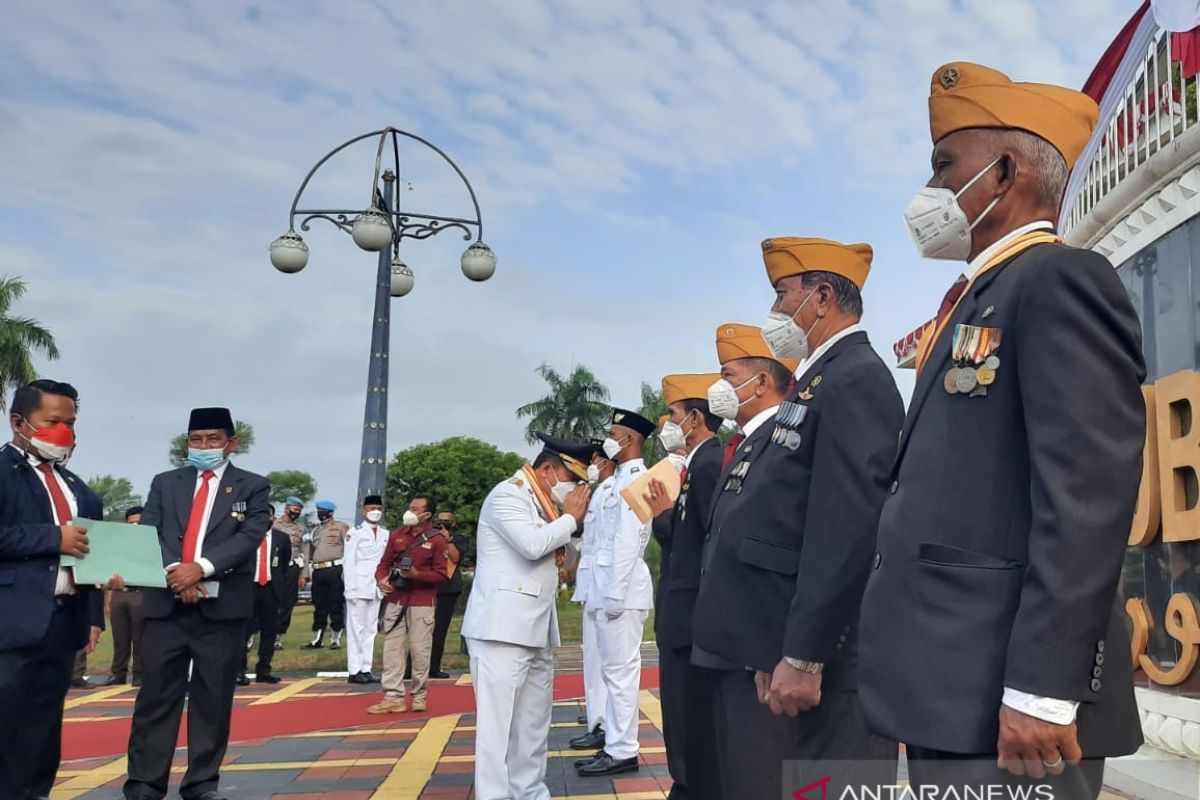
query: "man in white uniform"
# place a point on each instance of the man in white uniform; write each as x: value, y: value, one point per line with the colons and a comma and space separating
x: 623, y: 580
x: 594, y: 693
x: 511, y: 624
x: 364, y: 548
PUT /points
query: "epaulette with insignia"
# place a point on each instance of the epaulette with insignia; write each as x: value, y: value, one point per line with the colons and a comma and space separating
x: 516, y: 481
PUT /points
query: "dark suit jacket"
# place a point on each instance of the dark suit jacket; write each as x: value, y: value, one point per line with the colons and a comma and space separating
x: 229, y: 543
x: 1001, y: 543
x: 791, y: 547
x: 280, y: 556
x: 681, y: 531
x: 29, y: 552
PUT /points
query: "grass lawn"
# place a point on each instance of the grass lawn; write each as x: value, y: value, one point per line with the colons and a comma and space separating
x: 291, y: 659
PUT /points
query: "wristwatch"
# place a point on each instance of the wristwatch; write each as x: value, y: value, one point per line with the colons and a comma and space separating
x: 811, y: 667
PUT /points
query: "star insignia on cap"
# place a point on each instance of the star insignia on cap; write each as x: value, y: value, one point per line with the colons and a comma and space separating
x: 949, y: 78
x: 767, y: 244
x: 618, y: 417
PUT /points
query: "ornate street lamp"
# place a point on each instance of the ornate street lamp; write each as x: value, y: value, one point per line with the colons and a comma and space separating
x: 380, y: 228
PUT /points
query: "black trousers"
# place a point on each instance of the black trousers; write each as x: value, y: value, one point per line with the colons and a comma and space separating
x: 33, y: 687
x: 443, y: 613
x: 764, y: 755
x: 126, y: 622
x: 263, y: 621
x: 329, y: 599
x: 686, y: 693
x: 287, y: 598
x: 214, y: 649
x: 969, y: 773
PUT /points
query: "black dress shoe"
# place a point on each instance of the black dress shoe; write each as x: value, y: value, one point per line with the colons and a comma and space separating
x: 359, y: 678
x: 266, y: 677
x: 592, y: 740
x: 136, y: 682
x: 80, y: 683
x: 370, y: 677
x: 114, y: 680
x: 243, y: 680
x: 439, y: 675
x: 579, y: 762
x: 582, y: 720
x: 211, y: 795
x: 311, y: 646
x: 605, y: 765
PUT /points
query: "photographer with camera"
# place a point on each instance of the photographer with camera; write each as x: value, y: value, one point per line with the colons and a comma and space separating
x: 412, y: 566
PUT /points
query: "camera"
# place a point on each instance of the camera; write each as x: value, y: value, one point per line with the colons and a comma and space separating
x: 395, y: 578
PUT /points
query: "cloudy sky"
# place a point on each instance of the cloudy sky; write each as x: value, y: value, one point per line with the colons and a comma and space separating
x: 628, y: 156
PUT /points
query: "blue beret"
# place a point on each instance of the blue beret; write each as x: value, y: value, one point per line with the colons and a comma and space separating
x: 326, y: 505
x: 295, y: 501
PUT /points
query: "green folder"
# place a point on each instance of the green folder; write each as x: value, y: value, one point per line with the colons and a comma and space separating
x: 117, y: 548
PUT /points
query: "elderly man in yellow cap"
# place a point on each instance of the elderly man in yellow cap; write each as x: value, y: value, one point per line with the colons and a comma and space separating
x: 792, y: 529
x: 690, y: 428
x: 993, y: 599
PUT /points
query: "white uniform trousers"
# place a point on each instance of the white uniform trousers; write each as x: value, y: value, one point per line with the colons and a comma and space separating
x: 595, y: 694
x: 362, y: 622
x: 621, y: 657
x: 514, y: 697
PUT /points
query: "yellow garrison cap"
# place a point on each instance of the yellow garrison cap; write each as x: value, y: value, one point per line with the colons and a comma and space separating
x: 791, y: 255
x: 965, y: 95
x: 737, y: 340
x: 688, y: 387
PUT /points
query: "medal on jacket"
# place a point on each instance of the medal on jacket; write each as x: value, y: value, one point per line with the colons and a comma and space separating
x: 788, y: 420
x: 239, y: 511
x: 972, y: 349
x: 737, y: 477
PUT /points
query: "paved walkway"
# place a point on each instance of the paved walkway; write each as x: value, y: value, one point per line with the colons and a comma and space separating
x: 292, y: 742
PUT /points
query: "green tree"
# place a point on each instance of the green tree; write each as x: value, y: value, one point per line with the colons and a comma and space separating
x: 20, y: 338
x: 287, y: 483
x: 179, y: 448
x: 457, y: 473
x: 576, y: 407
x: 116, y: 495
x: 653, y: 406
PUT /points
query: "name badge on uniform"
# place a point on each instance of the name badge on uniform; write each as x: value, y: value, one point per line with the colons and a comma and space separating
x: 239, y: 511
x: 788, y: 420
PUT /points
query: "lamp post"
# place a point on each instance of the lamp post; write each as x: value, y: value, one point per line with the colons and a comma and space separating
x: 380, y: 228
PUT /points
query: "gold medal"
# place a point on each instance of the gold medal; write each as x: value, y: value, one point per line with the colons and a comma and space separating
x: 985, y: 375
x: 951, y: 382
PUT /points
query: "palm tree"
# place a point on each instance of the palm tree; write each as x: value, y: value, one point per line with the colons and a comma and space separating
x: 576, y: 407
x: 19, y: 338
x: 116, y: 495
x: 653, y: 407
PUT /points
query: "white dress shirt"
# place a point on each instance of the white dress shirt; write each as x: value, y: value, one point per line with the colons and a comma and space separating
x: 815, y: 355
x: 758, y: 419
x: 64, y: 583
x: 213, y: 483
x: 1059, y: 712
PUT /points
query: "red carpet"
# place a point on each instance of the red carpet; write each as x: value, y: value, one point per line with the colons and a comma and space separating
x: 303, y: 715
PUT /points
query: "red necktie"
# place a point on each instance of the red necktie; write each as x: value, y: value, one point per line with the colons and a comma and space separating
x: 263, y: 575
x: 956, y: 291
x: 731, y: 448
x: 683, y: 475
x: 62, y: 509
x: 191, y: 537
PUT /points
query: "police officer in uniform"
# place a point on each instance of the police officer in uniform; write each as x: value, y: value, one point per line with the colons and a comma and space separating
x: 325, y: 572
x: 623, y: 581
x: 686, y: 690
x: 600, y: 474
x: 793, y: 527
x: 992, y: 630
x: 295, y: 577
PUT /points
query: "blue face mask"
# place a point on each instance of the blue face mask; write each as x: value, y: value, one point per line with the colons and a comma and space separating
x: 206, y: 459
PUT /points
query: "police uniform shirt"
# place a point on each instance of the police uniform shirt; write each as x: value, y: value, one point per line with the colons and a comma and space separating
x: 700, y: 656
x: 328, y: 541
x: 295, y: 531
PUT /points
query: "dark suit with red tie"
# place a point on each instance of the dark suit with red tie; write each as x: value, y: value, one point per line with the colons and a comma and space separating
x: 207, y: 634
x: 271, y: 564
x: 41, y: 632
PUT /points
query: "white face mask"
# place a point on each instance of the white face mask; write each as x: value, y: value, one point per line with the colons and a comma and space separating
x: 593, y: 473
x: 410, y: 519
x: 939, y: 226
x: 672, y: 437
x: 611, y: 447
x: 723, y: 399
x: 375, y: 515
x: 560, y: 490
x: 785, y: 338
x: 677, y: 460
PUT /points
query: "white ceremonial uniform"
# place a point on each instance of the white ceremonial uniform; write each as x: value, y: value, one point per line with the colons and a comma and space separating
x: 364, y: 547
x: 595, y: 694
x: 623, y: 580
x: 511, y: 626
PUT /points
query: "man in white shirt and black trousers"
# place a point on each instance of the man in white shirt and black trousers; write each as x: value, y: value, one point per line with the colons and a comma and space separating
x: 271, y: 561
x: 211, y: 518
